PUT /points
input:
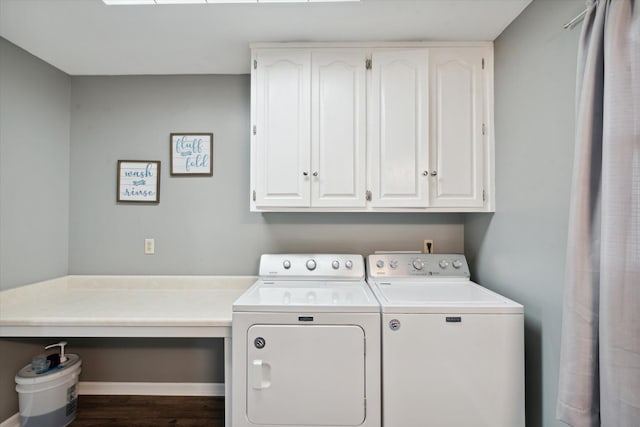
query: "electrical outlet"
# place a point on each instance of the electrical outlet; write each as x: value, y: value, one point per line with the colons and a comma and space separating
x: 149, y: 246
x: 428, y: 247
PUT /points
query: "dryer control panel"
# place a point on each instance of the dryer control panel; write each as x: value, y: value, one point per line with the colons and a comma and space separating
x: 400, y: 265
x: 312, y: 266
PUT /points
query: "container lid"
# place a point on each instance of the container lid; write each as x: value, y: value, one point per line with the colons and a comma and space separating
x: 27, y: 375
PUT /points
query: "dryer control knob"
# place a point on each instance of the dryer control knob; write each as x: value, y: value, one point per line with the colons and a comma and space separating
x: 311, y: 265
x: 418, y: 264
x: 335, y: 265
x: 457, y: 263
x: 286, y: 264
x: 443, y: 263
x: 393, y: 263
x: 348, y: 264
x: 380, y: 263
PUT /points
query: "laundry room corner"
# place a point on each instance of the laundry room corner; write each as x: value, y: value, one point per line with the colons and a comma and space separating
x: 520, y: 250
x: 85, y: 85
x: 34, y: 135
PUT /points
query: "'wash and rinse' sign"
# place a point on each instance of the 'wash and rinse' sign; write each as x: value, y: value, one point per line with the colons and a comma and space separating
x: 138, y: 181
x: 191, y: 154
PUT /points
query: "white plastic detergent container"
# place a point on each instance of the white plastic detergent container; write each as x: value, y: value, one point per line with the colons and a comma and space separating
x: 50, y: 398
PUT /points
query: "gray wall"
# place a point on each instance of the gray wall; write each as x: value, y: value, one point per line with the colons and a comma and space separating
x: 520, y: 250
x: 202, y: 225
x: 34, y: 168
x: 34, y: 187
x: 133, y: 359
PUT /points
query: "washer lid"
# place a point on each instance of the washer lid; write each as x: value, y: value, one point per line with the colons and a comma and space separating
x: 308, y: 296
x: 440, y: 297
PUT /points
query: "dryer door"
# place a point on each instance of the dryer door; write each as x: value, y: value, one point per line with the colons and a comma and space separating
x: 306, y: 375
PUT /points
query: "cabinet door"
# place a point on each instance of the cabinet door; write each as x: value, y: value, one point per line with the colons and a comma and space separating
x: 338, y: 111
x: 398, y: 129
x: 282, y: 119
x: 457, y: 88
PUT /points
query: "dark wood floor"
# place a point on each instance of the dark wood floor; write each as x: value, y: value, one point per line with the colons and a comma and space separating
x: 149, y: 411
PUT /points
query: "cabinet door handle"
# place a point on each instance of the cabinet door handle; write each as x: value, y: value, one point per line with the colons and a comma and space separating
x: 434, y: 173
x: 425, y: 173
x: 305, y: 173
x: 315, y: 174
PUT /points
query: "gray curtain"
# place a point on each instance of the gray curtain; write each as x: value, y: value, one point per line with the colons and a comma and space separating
x: 599, y: 381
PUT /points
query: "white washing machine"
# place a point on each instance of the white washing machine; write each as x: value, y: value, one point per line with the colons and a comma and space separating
x: 306, y: 345
x: 452, y: 351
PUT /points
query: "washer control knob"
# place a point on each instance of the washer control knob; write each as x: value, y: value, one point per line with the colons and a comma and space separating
x: 457, y: 263
x: 418, y: 264
x: 335, y: 265
x: 443, y: 263
x: 393, y: 263
x: 286, y: 264
x: 380, y: 263
x: 348, y: 263
x: 311, y: 265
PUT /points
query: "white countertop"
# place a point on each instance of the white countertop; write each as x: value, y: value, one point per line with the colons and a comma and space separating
x: 143, y: 306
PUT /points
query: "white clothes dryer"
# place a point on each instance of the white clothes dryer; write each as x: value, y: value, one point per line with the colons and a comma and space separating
x: 452, y: 351
x: 306, y: 345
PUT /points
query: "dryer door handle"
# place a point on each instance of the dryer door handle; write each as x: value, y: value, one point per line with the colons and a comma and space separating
x: 261, y: 373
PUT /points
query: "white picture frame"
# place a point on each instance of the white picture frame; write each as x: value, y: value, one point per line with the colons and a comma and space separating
x: 138, y: 181
x: 191, y: 154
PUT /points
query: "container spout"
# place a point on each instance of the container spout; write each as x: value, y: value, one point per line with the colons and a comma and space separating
x: 60, y: 344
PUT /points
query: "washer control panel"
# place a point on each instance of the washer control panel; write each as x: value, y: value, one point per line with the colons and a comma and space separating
x: 312, y: 266
x: 414, y: 264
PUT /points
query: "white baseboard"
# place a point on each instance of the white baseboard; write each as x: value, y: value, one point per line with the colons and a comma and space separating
x: 13, y: 421
x: 150, y: 389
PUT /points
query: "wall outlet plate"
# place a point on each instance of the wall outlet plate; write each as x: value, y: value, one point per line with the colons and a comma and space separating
x: 149, y: 246
x: 428, y: 246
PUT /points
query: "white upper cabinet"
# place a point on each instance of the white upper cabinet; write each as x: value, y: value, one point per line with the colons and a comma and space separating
x: 398, y: 138
x: 338, y: 133
x: 457, y: 122
x: 310, y: 129
x: 282, y: 109
x: 389, y: 127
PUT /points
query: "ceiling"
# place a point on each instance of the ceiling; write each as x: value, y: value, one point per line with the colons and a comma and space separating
x: 86, y: 37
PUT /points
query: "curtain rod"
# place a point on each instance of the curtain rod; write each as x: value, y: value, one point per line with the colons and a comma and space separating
x: 575, y: 20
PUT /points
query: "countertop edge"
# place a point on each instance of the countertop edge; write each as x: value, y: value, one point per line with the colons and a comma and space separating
x: 216, y: 322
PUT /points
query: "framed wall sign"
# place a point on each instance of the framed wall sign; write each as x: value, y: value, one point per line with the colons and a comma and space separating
x: 191, y: 154
x: 138, y: 181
